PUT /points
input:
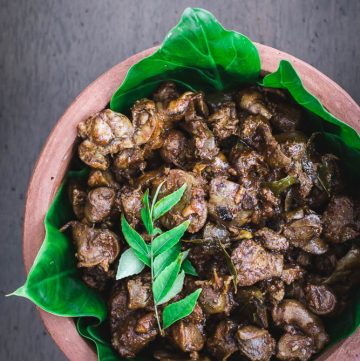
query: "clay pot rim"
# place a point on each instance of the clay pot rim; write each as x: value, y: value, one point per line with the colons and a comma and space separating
x: 270, y: 57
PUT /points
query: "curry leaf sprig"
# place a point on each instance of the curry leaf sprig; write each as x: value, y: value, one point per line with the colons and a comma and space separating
x: 163, y: 255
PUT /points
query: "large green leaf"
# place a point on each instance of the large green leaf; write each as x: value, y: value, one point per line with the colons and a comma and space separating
x: 199, y: 54
x: 53, y: 282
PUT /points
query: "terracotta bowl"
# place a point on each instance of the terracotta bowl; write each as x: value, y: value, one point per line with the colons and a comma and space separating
x: 58, y: 150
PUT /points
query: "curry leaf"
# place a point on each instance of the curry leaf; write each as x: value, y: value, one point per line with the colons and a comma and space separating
x: 189, y: 268
x: 230, y: 265
x: 146, y: 214
x: 199, y: 54
x: 282, y: 185
x: 129, y: 265
x: 165, y: 280
x: 165, y: 204
x: 180, y: 309
x: 168, y: 239
x: 165, y: 258
x: 175, y: 289
x: 135, y: 241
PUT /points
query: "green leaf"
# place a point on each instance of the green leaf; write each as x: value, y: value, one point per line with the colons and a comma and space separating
x: 135, y: 241
x: 189, y: 268
x: 165, y: 280
x: 199, y: 54
x: 168, y: 239
x: 282, y: 185
x: 180, y: 309
x: 129, y: 265
x: 165, y: 258
x: 175, y: 289
x: 146, y: 214
x: 165, y: 204
x: 54, y: 283
x: 230, y: 265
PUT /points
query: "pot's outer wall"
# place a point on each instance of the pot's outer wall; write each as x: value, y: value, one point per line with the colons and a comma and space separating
x: 55, y: 156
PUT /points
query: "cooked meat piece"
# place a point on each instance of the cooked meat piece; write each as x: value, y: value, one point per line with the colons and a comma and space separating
x: 192, y: 205
x: 316, y: 246
x: 256, y: 132
x: 252, y: 306
x: 272, y: 240
x: 249, y: 165
x: 203, y: 139
x: 320, y: 299
x: 222, y: 343
x: 77, y: 197
x: 255, y: 343
x: 131, y: 204
x: 177, y: 149
x: 133, y: 334
x: 291, y: 274
x: 224, y: 122
x: 128, y: 163
x: 93, y: 155
x: 216, y: 296
x: 286, y: 117
x: 293, y: 144
x: 339, y: 220
x: 215, y: 233
x: 94, y: 246
x: 276, y: 290
x: 253, y: 263
x: 96, y: 277
x: 104, y: 133
x: 139, y: 290
x: 98, y: 204
x: 253, y: 102
x: 187, y: 336
x: 293, y: 313
x: 300, y: 232
x: 330, y: 176
x: 99, y: 178
x: 118, y: 306
x: 222, y: 204
x: 294, y: 347
x: 166, y: 92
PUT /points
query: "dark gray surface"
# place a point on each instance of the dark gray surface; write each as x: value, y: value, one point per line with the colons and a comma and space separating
x: 50, y: 50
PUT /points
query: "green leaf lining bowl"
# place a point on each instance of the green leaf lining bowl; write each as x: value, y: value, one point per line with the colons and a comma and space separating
x: 58, y: 150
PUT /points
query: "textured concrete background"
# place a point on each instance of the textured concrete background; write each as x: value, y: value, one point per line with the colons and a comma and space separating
x: 50, y: 50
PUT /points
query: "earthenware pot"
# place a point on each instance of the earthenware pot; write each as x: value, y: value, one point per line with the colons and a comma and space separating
x: 57, y: 152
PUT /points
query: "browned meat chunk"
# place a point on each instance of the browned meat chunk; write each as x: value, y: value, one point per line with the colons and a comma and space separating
x: 256, y: 132
x: 133, y: 334
x: 253, y: 263
x: 187, y: 336
x: 295, y: 347
x: 291, y: 274
x: 192, y: 205
x: 286, y: 117
x: 339, y: 220
x: 94, y: 246
x: 222, y: 344
x: 293, y: 313
x: 252, y: 101
x: 223, y: 205
x: 131, y: 203
x: 98, y: 204
x: 96, y: 277
x: 105, y: 133
x: 177, y: 149
x: 255, y: 343
x: 276, y: 290
x: 139, y: 291
x: 77, y: 197
x: 99, y: 178
x: 300, y: 232
x: 272, y: 240
x: 320, y: 299
x: 224, y: 122
x: 128, y: 163
x: 166, y: 92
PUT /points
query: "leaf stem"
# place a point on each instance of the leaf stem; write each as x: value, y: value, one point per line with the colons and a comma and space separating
x: 152, y: 282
